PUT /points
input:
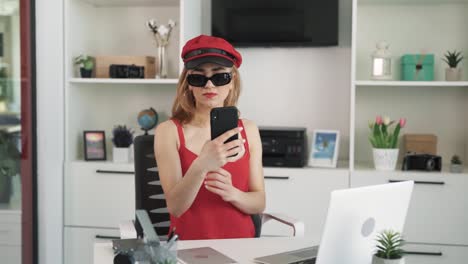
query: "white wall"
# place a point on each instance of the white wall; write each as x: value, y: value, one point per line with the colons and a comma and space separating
x: 301, y: 86
x: 50, y: 125
x: 298, y: 87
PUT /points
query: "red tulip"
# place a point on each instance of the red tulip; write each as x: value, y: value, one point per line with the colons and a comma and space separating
x: 402, y: 122
x: 378, y: 120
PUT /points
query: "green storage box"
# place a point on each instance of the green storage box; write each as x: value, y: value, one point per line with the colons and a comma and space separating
x: 417, y: 67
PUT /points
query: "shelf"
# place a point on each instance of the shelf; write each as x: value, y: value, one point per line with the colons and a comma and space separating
x: 105, y: 164
x: 268, y: 171
x: 130, y: 3
x: 412, y: 83
x: 122, y: 81
x: 369, y: 167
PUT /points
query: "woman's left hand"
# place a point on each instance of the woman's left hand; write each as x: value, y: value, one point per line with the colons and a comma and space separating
x: 220, y: 183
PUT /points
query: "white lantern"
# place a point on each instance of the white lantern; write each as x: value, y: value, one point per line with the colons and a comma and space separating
x: 382, y: 62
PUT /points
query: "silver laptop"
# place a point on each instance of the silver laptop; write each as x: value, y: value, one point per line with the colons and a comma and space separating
x: 368, y: 211
x: 202, y: 255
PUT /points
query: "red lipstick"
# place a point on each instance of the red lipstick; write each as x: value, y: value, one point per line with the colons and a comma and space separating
x: 210, y: 95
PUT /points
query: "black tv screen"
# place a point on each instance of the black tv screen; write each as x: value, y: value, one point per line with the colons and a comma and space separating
x: 276, y: 22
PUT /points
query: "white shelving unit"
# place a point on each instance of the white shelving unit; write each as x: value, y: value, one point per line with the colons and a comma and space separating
x: 115, y: 28
x: 102, y: 27
x: 431, y: 107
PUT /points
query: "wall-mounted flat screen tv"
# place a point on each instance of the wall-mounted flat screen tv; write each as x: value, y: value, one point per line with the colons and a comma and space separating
x: 276, y: 22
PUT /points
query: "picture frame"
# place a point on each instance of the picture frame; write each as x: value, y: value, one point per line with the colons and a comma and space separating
x: 94, y: 144
x: 324, y: 148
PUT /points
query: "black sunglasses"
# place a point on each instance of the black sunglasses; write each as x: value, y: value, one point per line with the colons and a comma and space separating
x: 218, y: 79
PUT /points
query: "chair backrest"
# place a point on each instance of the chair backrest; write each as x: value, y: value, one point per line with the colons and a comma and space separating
x: 148, y: 190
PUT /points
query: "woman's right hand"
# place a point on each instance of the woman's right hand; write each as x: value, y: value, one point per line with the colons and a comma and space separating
x: 215, y: 153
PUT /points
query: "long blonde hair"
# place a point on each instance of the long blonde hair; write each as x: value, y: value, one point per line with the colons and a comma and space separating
x: 184, y: 105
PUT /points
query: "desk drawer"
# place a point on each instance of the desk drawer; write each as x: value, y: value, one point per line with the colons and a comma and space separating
x: 10, y: 235
x: 438, y: 212
x: 435, y: 254
x: 10, y: 254
x: 79, y: 243
x: 99, y: 194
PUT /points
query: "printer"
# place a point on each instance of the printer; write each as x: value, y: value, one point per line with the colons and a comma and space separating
x: 283, y: 146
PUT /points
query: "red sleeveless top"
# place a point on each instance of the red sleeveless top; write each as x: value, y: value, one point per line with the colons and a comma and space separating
x: 209, y: 217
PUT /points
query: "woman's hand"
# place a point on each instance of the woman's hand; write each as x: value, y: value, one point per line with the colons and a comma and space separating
x: 220, y: 183
x: 216, y: 153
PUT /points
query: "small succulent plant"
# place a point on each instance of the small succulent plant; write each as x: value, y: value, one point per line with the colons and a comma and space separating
x: 456, y: 160
x: 84, y: 62
x: 453, y: 58
x: 389, y: 245
x: 122, y: 136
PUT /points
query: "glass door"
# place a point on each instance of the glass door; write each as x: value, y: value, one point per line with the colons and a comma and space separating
x: 17, y: 136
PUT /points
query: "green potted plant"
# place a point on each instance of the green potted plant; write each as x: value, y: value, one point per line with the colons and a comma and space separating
x: 389, y: 248
x: 122, y: 140
x: 453, y: 73
x: 9, y: 164
x: 86, y: 64
x: 456, y: 165
x: 384, y: 141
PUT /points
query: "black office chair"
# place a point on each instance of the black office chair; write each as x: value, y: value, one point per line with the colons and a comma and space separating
x: 150, y: 196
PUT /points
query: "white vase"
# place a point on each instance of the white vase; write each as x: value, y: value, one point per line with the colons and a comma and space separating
x: 385, y: 159
x: 161, y: 70
x: 453, y: 74
x: 377, y: 260
x: 121, y: 155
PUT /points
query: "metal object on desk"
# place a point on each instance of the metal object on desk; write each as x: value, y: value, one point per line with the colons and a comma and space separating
x: 147, y: 249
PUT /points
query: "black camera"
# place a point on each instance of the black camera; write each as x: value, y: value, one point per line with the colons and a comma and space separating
x: 425, y: 162
x: 126, y: 71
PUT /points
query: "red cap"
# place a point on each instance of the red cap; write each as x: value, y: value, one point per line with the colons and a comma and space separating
x: 203, y: 49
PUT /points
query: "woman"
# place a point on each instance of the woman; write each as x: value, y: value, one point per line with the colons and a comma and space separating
x: 209, y: 192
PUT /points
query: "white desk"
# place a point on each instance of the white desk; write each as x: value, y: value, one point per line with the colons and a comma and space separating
x: 241, y: 250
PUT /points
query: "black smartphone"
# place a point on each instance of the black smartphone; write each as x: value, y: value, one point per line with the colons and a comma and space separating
x: 223, y: 119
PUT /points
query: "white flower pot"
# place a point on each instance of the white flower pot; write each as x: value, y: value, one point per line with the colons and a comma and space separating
x: 385, y: 159
x: 456, y: 168
x: 377, y: 260
x: 453, y: 74
x: 121, y: 155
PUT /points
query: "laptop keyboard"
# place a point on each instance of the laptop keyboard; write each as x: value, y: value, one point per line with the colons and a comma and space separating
x: 305, y: 253
x: 307, y: 261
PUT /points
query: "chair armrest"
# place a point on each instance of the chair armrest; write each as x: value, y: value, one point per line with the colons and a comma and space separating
x: 298, y: 226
